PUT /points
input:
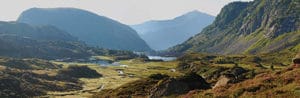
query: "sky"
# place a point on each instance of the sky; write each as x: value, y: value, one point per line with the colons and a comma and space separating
x: 126, y: 11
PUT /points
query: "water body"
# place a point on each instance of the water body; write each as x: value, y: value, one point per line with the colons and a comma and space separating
x: 109, y: 63
x: 106, y: 63
x: 162, y: 58
x: 102, y: 62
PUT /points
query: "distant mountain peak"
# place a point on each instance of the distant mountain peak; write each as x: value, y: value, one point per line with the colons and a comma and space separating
x: 61, y: 9
x: 162, y: 34
x: 195, y: 12
x: 58, y: 8
x: 191, y: 14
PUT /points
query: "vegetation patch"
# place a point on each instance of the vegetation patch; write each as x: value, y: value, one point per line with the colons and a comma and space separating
x: 80, y: 72
x: 157, y: 85
x: 28, y: 63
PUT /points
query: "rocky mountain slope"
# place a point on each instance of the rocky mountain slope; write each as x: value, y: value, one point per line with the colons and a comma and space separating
x: 260, y: 26
x: 22, y: 40
x: 162, y: 34
x: 94, y: 30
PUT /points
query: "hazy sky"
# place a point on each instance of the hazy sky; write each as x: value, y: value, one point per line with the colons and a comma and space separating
x: 125, y: 11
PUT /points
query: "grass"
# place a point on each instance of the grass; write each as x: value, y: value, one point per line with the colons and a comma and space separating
x: 264, y: 43
x: 109, y: 58
x: 281, y: 81
x: 258, y: 79
x: 144, y: 69
x: 136, y: 70
x: 284, y: 83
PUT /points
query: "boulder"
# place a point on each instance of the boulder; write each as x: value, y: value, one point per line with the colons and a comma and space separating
x: 296, y: 61
x: 223, y: 81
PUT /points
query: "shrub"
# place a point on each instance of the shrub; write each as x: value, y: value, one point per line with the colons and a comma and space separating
x: 158, y: 76
x: 80, y: 72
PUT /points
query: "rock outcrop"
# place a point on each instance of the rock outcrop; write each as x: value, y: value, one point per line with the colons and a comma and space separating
x: 181, y: 85
x: 296, y: 61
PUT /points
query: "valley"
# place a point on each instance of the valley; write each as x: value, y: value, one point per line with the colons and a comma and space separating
x: 250, y: 49
x: 123, y: 79
x: 238, y: 69
x: 111, y: 77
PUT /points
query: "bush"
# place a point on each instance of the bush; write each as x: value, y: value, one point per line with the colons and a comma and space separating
x: 158, y: 76
x: 80, y: 72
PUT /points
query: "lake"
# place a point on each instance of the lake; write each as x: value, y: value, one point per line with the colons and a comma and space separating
x: 107, y: 63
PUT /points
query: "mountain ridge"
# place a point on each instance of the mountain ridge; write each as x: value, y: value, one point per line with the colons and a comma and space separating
x: 95, y: 30
x: 157, y: 32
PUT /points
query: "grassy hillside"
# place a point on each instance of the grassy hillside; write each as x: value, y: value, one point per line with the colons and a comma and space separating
x: 265, y: 75
x: 284, y: 83
x: 225, y: 76
x: 22, y: 40
x: 27, y: 78
x: 261, y: 26
x: 35, y: 77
